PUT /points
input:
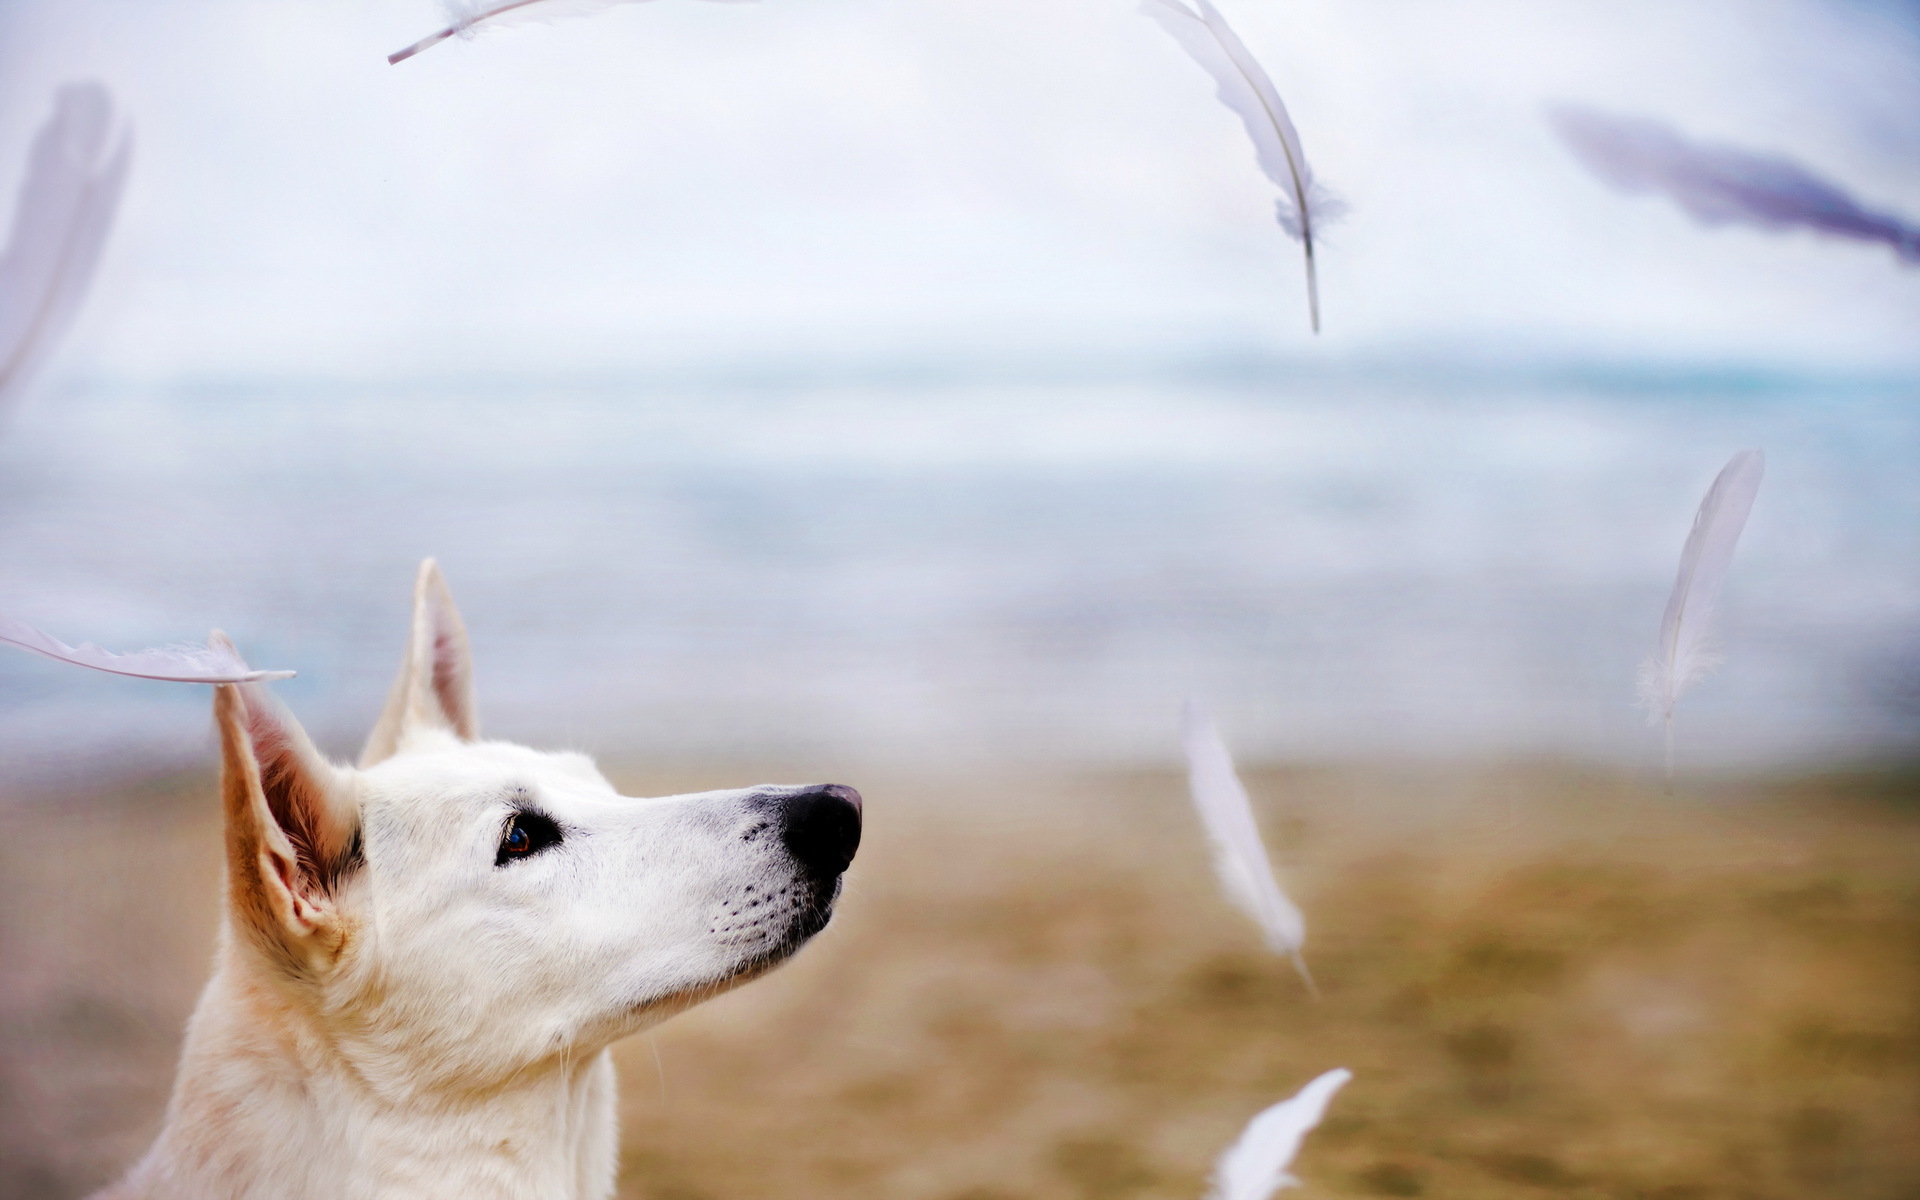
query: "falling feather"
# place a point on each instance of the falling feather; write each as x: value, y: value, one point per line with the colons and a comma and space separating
x: 465, y: 16
x: 1238, y: 853
x: 1688, y: 644
x: 1719, y: 185
x: 215, y: 662
x: 1255, y: 1166
x: 75, y: 174
x: 1245, y: 88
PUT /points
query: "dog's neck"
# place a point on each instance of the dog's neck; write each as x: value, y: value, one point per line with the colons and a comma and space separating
x: 269, y: 1103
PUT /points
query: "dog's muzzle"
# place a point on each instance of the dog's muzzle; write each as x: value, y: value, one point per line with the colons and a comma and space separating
x: 818, y: 826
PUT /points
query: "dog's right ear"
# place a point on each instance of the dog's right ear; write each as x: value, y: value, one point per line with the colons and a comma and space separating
x: 292, y: 830
x: 434, y: 689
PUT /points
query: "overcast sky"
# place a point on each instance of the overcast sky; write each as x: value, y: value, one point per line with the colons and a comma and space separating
x: 801, y: 178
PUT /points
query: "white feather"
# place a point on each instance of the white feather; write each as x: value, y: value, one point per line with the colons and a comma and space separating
x: 1239, y: 856
x: 1255, y: 1166
x: 464, y: 16
x: 1245, y: 88
x: 215, y: 662
x: 1688, y: 647
x: 75, y: 174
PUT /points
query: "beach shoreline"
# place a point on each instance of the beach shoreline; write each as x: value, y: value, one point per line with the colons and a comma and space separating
x: 1544, y: 975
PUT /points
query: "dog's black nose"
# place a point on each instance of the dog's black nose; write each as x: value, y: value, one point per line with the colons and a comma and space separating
x: 821, y: 827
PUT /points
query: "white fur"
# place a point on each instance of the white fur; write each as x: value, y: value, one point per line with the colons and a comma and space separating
x: 436, y: 1025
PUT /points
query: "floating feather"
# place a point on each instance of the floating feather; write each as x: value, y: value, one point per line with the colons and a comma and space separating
x: 1239, y: 855
x: 75, y: 174
x: 1245, y: 88
x: 464, y: 16
x: 1718, y: 185
x: 215, y: 662
x: 1688, y: 648
x: 1255, y: 1166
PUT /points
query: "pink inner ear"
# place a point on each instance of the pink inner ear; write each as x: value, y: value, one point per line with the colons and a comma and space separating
x: 294, y: 798
x: 448, y: 669
x: 447, y: 683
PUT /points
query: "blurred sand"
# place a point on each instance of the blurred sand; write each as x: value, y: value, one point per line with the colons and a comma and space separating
x: 1547, y: 981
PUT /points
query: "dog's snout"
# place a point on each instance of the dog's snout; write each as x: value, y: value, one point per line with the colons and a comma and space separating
x: 821, y: 828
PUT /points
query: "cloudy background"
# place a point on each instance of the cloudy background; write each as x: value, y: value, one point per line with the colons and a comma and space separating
x: 847, y: 177
x: 885, y: 378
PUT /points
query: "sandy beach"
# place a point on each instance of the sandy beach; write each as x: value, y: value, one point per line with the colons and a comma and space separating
x: 1547, y: 980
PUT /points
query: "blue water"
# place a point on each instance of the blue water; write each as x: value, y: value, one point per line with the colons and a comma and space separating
x: 927, y: 566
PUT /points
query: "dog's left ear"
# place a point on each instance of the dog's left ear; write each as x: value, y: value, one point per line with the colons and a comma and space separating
x: 434, y: 689
x: 292, y: 829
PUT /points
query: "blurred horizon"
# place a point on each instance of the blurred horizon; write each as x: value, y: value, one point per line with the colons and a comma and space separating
x: 923, y: 565
x: 932, y: 382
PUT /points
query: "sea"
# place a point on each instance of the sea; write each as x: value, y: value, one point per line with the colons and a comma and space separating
x: 938, y: 564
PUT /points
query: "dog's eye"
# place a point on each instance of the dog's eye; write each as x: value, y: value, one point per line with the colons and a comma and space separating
x: 527, y: 834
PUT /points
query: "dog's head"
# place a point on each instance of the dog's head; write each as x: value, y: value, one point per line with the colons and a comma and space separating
x: 464, y: 910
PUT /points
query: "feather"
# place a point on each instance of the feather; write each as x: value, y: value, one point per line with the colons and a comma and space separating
x: 1255, y: 1166
x: 1719, y: 185
x: 215, y: 662
x: 1245, y: 88
x: 75, y: 174
x: 465, y: 16
x: 1687, y: 649
x: 1239, y: 856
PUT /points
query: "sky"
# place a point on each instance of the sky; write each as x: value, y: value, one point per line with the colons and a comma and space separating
x: 647, y: 322
x: 680, y: 183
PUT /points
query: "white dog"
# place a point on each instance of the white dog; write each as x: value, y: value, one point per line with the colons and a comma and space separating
x: 425, y: 958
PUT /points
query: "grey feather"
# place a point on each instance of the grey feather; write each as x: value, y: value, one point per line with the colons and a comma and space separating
x: 1689, y: 647
x: 1244, y: 86
x: 465, y: 16
x: 75, y: 174
x: 215, y: 662
x: 1718, y: 185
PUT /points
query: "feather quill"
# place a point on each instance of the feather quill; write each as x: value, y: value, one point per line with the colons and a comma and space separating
x: 1688, y: 646
x: 1718, y: 185
x: 1245, y: 88
x: 75, y: 174
x: 465, y: 16
x: 1255, y: 1166
x: 1239, y: 856
x: 215, y: 662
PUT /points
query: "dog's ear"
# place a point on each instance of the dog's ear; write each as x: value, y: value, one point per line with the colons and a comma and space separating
x: 434, y: 689
x: 292, y: 829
